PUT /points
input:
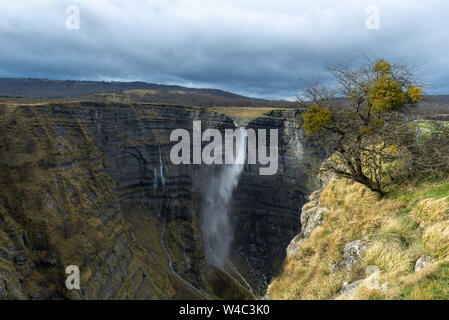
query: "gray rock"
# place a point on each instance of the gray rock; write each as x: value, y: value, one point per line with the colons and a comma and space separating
x: 327, y: 177
x: 373, y: 281
x: 371, y: 269
x: 293, y: 247
x: 311, y: 217
x: 348, y: 290
x: 353, y: 252
x: 422, y: 262
x: 335, y: 268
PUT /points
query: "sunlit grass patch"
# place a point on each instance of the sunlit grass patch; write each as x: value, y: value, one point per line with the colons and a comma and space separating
x: 436, y: 240
x: 430, y: 211
x: 398, y: 229
x: 390, y: 256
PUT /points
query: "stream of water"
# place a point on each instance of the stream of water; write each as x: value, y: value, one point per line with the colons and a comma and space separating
x: 216, y: 225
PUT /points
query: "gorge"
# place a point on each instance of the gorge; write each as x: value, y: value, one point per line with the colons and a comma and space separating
x: 106, y: 197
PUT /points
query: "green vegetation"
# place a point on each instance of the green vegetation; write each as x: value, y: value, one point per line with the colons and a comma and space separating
x: 432, y: 285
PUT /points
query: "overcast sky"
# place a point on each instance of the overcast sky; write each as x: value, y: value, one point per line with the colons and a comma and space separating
x: 259, y: 48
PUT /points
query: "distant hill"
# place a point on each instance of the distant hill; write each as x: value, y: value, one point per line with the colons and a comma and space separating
x: 433, y: 107
x: 127, y: 92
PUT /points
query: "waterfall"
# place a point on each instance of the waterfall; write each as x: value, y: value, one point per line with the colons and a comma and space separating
x: 155, y: 179
x: 216, y: 224
x: 170, y: 265
x: 161, y: 169
x: 161, y: 173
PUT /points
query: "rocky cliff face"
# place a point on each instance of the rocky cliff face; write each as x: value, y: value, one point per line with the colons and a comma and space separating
x: 92, y: 185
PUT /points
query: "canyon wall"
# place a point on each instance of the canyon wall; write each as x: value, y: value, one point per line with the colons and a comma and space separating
x: 91, y: 184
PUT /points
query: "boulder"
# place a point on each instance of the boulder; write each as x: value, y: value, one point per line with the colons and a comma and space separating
x: 353, y: 252
x: 311, y: 217
x: 371, y: 269
x: 422, y: 262
x: 371, y: 282
x: 348, y: 290
x: 293, y: 247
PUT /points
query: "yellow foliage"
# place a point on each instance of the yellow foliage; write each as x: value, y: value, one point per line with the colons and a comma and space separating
x: 386, y: 95
x: 414, y: 93
x: 378, y: 123
x: 366, y: 130
x: 315, y: 119
x: 382, y: 67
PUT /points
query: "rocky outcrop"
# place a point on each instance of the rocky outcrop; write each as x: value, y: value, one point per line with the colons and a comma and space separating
x: 372, y: 282
x: 423, y: 262
x: 352, y: 253
x: 311, y: 216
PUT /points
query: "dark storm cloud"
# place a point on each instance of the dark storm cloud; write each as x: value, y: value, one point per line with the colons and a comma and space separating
x: 258, y: 48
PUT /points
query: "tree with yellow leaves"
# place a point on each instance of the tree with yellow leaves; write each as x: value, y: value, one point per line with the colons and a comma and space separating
x: 358, y: 119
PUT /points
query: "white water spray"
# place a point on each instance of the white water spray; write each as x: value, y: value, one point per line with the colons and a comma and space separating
x: 155, y: 180
x: 161, y: 169
x: 217, y: 228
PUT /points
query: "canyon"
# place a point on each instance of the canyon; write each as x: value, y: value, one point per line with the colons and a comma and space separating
x: 100, y: 192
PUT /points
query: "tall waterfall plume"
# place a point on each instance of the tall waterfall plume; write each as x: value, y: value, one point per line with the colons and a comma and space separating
x: 216, y: 221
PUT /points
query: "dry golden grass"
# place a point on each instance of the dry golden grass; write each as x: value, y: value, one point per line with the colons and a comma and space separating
x: 436, y: 240
x: 390, y: 256
x: 430, y: 211
x: 243, y: 115
x: 397, y: 229
x: 141, y: 92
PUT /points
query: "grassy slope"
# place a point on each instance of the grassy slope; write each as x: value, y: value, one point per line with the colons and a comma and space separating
x: 398, y: 229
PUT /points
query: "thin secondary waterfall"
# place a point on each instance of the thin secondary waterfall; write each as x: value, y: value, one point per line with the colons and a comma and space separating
x: 161, y: 169
x: 216, y: 224
x: 161, y: 173
x: 170, y: 264
x: 155, y: 180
